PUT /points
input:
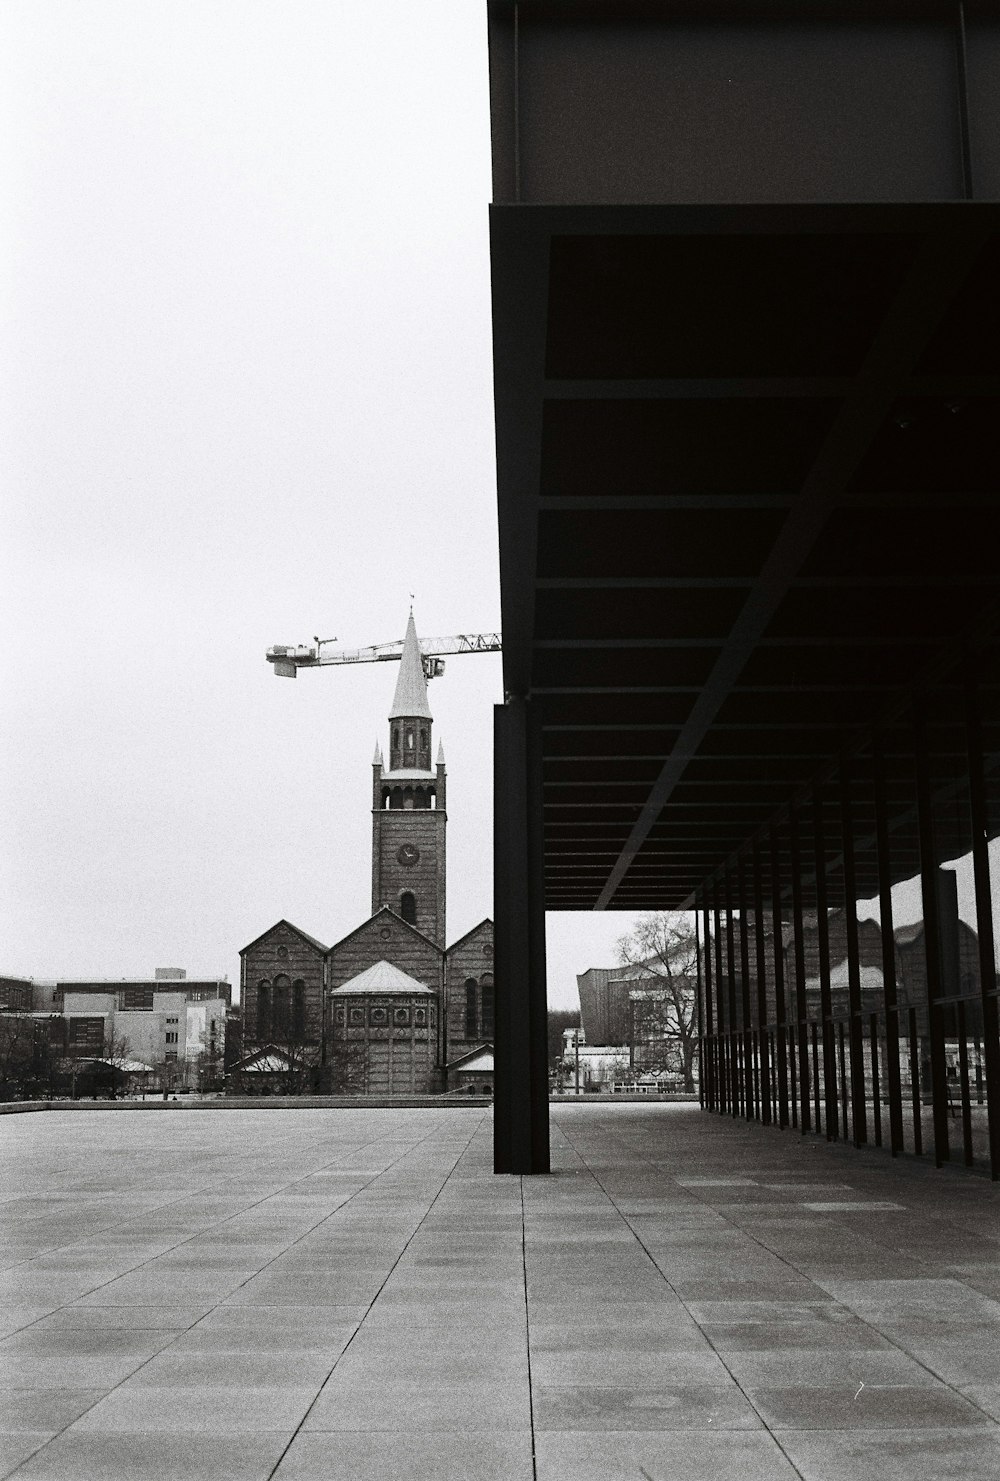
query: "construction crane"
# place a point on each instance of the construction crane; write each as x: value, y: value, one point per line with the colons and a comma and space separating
x: 287, y: 661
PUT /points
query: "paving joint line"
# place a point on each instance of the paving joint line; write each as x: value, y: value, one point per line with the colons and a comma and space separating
x: 181, y: 1332
x: 786, y: 1260
x: 420, y: 1223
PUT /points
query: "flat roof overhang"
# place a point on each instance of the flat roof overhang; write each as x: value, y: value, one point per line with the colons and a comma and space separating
x: 748, y: 468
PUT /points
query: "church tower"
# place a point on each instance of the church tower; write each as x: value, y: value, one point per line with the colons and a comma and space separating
x: 408, y: 806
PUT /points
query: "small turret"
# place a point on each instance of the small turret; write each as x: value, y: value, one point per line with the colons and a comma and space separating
x: 440, y: 785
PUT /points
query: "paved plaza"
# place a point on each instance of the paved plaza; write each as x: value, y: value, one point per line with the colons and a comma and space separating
x: 333, y: 1295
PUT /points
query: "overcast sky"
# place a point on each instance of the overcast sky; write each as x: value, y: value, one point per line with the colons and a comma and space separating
x: 246, y: 399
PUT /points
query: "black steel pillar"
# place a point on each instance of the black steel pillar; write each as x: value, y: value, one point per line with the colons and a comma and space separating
x: 735, y: 1046
x: 760, y: 955
x: 750, y: 1059
x: 521, y: 1080
x: 856, y: 1028
x: 780, y: 1010
x: 932, y: 935
x: 709, y: 1050
x: 722, y: 1026
x: 801, y: 1002
x: 825, y: 997
x: 892, y: 1029
x: 984, y: 919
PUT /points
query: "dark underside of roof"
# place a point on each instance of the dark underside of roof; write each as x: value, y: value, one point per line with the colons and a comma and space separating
x: 748, y: 469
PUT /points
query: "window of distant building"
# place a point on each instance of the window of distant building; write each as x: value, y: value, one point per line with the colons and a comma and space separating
x: 279, y: 1004
x: 172, y: 1036
x: 471, y: 1008
x: 408, y: 907
x: 487, y: 1002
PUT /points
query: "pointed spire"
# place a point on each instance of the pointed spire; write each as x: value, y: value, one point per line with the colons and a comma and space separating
x: 440, y: 754
x: 377, y: 758
x: 410, y: 699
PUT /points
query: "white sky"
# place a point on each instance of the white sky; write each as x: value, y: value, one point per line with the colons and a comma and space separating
x: 245, y: 398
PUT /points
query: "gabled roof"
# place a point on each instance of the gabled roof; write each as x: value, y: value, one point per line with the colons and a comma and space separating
x: 486, y: 921
x: 480, y: 1060
x: 411, y: 686
x: 264, y: 1061
x: 283, y: 922
x: 383, y: 977
x: 398, y: 919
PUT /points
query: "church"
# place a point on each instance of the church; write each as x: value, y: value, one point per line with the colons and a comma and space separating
x: 390, y: 1009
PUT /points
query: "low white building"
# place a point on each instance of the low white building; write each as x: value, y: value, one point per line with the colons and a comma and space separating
x: 183, y: 1041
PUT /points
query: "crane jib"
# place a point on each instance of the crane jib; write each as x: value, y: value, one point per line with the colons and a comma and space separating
x: 287, y: 659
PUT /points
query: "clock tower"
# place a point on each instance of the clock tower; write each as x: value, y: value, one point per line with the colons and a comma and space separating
x: 408, y: 806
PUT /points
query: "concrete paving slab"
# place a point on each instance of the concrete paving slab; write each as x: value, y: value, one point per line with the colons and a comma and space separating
x: 436, y: 1456
x: 44, y: 1409
x: 894, y: 1455
x: 660, y: 1456
x: 203, y: 1408
x: 352, y: 1402
x: 77, y: 1456
x: 355, y: 1292
x: 670, y: 1406
x: 16, y: 1447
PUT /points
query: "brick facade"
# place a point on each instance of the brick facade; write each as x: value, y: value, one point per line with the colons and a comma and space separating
x: 468, y: 970
x: 396, y: 834
x: 282, y: 968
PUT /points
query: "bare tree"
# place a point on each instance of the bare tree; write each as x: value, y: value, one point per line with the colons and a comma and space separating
x: 17, y: 1042
x: 119, y: 1059
x: 660, y: 956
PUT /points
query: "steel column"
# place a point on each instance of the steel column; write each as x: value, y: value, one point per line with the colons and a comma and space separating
x: 750, y: 1099
x: 779, y: 982
x: 801, y: 1003
x: 826, y: 1007
x: 892, y: 1034
x: 709, y: 1066
x: 724, y: 1078
x: 736, y: 1106
x: 859, y: 1118
x: 521, y: 1082
x: 760, y: 951
x: 984, y: 918
x: 932, y: 935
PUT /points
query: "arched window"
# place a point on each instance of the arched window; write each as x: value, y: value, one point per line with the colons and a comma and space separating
x: 408, y: 907
x: 487, y: 991
x: 263, y: 1010
x: 395, y: 737
x: 279, y: 1005
x: 298, y: 1010
x: 471, y: 1008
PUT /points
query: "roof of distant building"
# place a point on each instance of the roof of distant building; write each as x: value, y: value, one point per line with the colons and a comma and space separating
x: 383, y: 977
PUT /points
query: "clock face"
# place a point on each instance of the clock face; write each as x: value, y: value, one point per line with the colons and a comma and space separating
x: 408, y: 855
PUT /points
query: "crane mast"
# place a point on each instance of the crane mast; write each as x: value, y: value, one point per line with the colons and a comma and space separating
x: 288, y: 660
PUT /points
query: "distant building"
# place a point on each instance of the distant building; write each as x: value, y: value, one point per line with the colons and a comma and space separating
x: 15, y: 995
x: 389, y: 1009
x: 142, y: 992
